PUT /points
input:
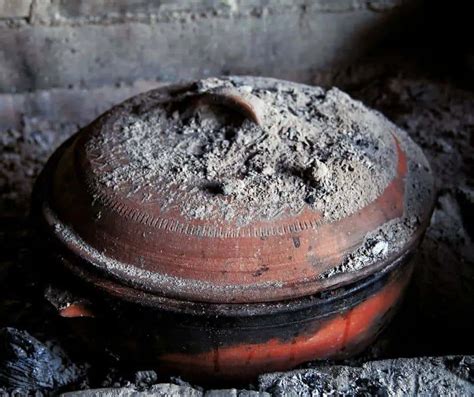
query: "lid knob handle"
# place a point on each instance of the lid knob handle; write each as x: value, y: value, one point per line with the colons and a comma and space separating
x: 248, y: 105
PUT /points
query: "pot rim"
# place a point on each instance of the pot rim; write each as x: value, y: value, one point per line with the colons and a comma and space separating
x: 103, y: 289
x: 54, y: 228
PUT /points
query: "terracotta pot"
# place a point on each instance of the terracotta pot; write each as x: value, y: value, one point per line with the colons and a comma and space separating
x: 211, y: 296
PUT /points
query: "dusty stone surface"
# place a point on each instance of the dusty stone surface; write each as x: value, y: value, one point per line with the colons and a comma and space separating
x: 165, y: 390
x: 158, y: 390
x: 416, y: 376
x: 235, y: 393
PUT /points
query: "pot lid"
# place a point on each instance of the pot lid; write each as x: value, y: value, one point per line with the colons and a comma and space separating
x: 236, y: 190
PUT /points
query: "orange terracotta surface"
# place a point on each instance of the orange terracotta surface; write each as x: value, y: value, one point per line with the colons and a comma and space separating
x: 246, y: 360
x: 76, y: 310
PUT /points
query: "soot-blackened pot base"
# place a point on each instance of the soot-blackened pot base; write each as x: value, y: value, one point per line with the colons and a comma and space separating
x: 219, y: 290
x: 215, y: 343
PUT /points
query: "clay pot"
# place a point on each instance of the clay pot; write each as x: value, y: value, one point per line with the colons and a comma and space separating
x: 212, y: 296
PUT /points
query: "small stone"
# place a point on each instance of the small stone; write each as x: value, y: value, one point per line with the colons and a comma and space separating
x: 380, y: 248
x: 246, y: 88
x: 235, y: 393
x: 318, y: 171
x: 233, y: 187
x: 221, y: 393
x: 145, y: 378
x: 107, y: 392
x: 268, y: 170
x: 168, y: 389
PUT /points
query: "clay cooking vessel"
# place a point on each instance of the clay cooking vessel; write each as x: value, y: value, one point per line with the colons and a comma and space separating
x: 201, y: 260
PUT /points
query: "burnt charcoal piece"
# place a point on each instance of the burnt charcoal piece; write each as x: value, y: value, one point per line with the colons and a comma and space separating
x: 27, y: 364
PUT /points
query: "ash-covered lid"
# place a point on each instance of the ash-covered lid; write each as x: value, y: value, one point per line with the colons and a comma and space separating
x: 238, y: 190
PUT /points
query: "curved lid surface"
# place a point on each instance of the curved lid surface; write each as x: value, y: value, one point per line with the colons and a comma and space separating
x: 237, y: 190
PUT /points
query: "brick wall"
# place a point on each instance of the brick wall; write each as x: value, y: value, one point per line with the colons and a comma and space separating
x: 89, y: 43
